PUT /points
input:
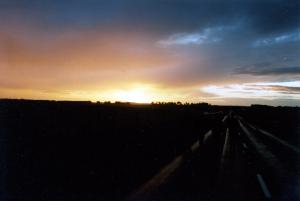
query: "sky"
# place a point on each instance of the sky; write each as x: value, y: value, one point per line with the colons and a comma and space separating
x: 234, y: 52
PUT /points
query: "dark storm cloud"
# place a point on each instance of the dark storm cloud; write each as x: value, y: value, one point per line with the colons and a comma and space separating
x: 265, y: 16
x: 269, y: 16
x: 269, y: 71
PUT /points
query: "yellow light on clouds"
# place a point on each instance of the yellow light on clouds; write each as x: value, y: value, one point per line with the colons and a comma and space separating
x: 137, y: 95
x: 129, y: 93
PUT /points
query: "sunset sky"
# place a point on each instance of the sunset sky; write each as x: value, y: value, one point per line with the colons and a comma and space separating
x: 234, y: 52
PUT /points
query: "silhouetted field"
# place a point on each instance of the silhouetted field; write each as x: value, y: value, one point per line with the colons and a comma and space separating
x: 282, y: 121
x: 85, y: 151
x: 53, y: 150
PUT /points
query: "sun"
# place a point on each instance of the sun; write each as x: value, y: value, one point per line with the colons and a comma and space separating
x: 136, y: 95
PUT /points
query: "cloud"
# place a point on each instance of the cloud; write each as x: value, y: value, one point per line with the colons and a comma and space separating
x: 167, y: 16
x: 276, y: 16
x: 290, y: 70
x: 275, y: 40
x: 263, y: 90
x: 207, y: 36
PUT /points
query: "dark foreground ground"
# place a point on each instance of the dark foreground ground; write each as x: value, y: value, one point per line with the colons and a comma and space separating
x: 56, y: 151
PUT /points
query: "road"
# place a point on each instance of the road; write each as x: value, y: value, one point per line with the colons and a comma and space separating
x: 233, y: 161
